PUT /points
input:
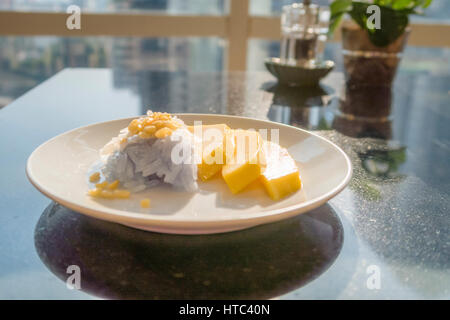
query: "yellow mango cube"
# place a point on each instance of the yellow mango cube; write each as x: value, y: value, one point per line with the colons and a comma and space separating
x: 213, y: 149
x: 245, y: 165
x: 280, y: 176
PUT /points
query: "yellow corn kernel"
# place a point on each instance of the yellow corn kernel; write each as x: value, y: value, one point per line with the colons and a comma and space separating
x: 149, y: 129
x: 121, y: 194
x: 109, y: 194
x: 95, y: 177
x: 173, y: 125
x: 164, y: 116
x: 159, y: 123
x: 147, y: 126
x: 147, y: 121
x: 160, y: 115
x: 145, y: 203
x: 106, y: 194
x: 134, y: 122
x: 94, y: 192
x: 145, y: 135
x: 123, y: 140
x: 113, y: 185
x: 133, y: 127
x: 102, y: 185
x: 163, y: 132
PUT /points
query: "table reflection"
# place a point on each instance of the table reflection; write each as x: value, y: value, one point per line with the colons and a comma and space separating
x: 358, y: 112
x: 301, y: 106
x: 120, y: 262
x: 365, y: 112
x: 299, y: 97
x: 361, y: 112
x: 399, y: 214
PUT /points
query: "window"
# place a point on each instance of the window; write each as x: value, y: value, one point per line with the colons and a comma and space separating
x: 191, y: 35
x: 206, y: 7
x: 438, y: 11
x: 27, y: 61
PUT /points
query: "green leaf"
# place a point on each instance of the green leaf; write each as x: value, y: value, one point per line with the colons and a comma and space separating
x: 339, y: 6
x: 402, y: 4
x: 394, y: 17
x: 334, y: 22
x: 411, y: 4
x: 392, y: 22
x: 337, y: 9
x: 426, y: 3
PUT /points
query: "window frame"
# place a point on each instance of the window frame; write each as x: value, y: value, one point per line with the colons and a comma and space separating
x: 237, y: 28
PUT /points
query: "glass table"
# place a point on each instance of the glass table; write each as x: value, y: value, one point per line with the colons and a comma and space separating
x: 385, y: 236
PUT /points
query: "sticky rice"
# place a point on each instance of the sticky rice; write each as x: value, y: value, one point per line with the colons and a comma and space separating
x: 140, y: 163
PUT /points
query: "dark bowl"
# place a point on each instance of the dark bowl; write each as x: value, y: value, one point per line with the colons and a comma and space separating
x: 298, y: 75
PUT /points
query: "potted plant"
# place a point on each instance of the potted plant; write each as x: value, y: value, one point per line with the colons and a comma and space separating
x: 375, y: 37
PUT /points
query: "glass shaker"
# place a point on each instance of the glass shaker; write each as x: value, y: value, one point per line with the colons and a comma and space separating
x: 304, y: 27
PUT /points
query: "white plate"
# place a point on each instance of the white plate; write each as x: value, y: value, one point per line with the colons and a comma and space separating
x: 59, y: 168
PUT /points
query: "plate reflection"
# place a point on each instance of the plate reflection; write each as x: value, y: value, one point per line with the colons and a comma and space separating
x: 122, y: 263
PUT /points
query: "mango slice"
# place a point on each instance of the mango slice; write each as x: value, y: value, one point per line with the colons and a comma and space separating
x: 214, y: 139
x: 280, y: 176
x: 244, y: 165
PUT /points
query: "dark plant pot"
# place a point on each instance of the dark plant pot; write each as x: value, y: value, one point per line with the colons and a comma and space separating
x: 365, y: 111
x: 367, y: 64
x: 367, y: 101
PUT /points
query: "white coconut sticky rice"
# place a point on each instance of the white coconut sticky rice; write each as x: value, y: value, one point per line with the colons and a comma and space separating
x: 141, y: 163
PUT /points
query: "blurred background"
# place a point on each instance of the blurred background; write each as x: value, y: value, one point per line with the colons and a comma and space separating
x: 26, y: 61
